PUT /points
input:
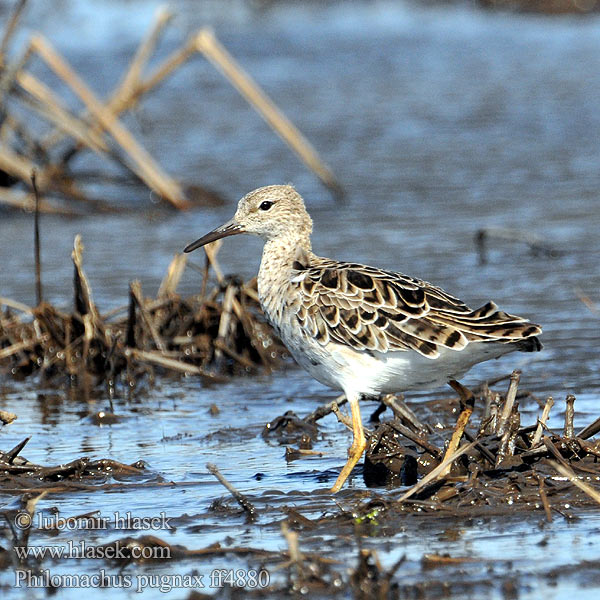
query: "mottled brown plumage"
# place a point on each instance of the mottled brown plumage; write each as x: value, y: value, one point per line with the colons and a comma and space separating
x: 373, y: 309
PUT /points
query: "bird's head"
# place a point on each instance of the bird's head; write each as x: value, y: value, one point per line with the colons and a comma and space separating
x: 269, y: 212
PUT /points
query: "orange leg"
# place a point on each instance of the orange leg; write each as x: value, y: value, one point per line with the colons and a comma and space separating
x: 359, y: 444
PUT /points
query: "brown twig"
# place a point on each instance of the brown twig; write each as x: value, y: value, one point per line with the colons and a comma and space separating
x: 402, y: 411
x: 240, y: 498
x: 544, y: 497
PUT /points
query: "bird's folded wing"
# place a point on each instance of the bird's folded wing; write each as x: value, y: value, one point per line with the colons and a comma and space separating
x: 375, y: 310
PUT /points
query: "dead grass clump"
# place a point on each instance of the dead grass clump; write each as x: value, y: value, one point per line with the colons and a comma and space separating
x: 217, y: 333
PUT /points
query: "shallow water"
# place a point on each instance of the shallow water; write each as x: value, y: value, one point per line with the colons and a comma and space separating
x: 437, y: 122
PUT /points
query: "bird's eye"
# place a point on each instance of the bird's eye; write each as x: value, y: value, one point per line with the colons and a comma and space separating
x: 266, y: 205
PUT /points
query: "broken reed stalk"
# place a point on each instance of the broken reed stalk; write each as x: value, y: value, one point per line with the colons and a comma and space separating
x: 168, y: 285
x: 84, y: 304
x: 326, y: 409
x: 11, y: 26
x: 25, y: 201
x: 467, y: 400
x: 291, y: 537
x: 248, y: 507
x: 402, y: 411
x: 514, y: 424
x: 569, y: 416
x: 417, y: 439
x: 136, y: 292
x: 511, y: 395
x: 340, y: 416
x: 224, y: 323
x: 567, y: 472
x: 36, y: 242
x: 437, y: 472
x: 537, y: 438
x: 47, y: 104
x: 589, y: 430
x: 123, y: 96
x: 131, y: 81
x: 517, y: 443
x: 145, y: 165
x: 209, y: 46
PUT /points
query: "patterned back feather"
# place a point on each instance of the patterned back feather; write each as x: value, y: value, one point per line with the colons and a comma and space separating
x: 375, y: 310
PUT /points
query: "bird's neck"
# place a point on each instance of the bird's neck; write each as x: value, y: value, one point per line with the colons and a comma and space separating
x: 279, y: 255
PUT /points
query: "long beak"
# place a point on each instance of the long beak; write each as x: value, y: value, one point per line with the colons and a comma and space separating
x: 229, y: 228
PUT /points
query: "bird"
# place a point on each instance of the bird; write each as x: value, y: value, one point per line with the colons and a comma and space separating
x: 356, y: 328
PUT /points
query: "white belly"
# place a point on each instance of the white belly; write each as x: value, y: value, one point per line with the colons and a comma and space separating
x: 341, y: 367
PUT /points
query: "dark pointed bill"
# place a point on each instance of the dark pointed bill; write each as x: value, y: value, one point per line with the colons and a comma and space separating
x: 228, y: 229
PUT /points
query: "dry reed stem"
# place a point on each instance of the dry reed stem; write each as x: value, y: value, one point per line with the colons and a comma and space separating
x: 88, y: 306
x: 16, y: 348
x: 417, y: 439
x: 245, y: 362
x: 11, y: 26
x: 589, y: 303
x: 296, y: 557
x: 248, y: 325
x: 20, y: 167
x: 437, y: 472
x: 402, y: 411
x: 144, y: 164
x: 210, y: 47
x: 41, y: 99
x: 52, y: 109
x: 25, y: 201
x: 224, y: 323
x: 169, y: 363
x: 569, y: 415
x: 86, y: 345
x: 567, y: 472
x: 211, y: 251
x: 589, y: 430
x: 171, y: 280
x: 172, y: 62
x: 36, y: 242
x: 240, y: 498
x: 8, y: 74
x: 16, y: 305
x: 136, y: 291
x: 507, y: 409
x: 132, y: 78
x: 126, y: 94
x: 467, y: 401
x: 537, y: 437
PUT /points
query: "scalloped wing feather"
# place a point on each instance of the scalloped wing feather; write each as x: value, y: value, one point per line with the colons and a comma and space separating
x: 375, y: 310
